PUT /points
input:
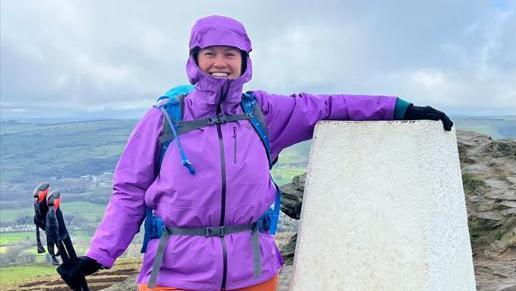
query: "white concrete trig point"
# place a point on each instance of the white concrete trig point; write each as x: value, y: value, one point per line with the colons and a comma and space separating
x: 383, y: 209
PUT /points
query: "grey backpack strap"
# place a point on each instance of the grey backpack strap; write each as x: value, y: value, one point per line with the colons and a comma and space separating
x: 158, y: 260
x: 210, y: 231
x: 187, y: 126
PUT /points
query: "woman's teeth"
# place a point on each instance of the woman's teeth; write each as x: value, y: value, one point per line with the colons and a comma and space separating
x: 219, y: 75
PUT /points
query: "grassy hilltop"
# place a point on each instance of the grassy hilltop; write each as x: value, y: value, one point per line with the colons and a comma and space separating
x: 79, y: 158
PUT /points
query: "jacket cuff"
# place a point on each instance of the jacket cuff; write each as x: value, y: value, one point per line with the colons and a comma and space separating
x: 102, y: 259
x: 400, y: 108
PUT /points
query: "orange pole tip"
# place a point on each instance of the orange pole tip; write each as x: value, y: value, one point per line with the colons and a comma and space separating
x: 42, y: 195
x: 56, y: 203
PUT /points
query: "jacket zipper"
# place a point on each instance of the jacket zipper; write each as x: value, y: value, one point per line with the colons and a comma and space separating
x: 234, y: 145
x: 223, y: 202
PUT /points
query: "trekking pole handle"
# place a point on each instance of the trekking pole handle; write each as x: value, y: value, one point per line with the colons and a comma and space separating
x: 41, y: 191
x: 54, y: 199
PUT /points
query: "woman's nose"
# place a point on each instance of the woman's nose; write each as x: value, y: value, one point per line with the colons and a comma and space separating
x: 219, y: 62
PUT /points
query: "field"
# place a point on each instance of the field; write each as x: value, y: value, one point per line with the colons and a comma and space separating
x: 292, y: 162
x: 44, y: 277
x: 86, y: 211
x: 10, y: 238
x: 14, y: 275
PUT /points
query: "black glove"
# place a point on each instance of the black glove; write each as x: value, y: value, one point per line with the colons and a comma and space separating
x: 73, y: 274
x: 418, y: 113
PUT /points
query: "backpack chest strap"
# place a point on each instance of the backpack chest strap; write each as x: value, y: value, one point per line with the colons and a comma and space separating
x: 189, y: 125
x: 183, y: 126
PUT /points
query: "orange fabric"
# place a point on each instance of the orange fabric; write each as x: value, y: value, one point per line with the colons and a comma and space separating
x: 270, y: 285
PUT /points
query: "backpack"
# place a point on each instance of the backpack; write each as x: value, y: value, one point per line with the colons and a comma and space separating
x: 172, y: 106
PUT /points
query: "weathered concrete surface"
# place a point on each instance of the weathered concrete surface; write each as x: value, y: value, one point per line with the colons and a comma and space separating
x: 400, y: 222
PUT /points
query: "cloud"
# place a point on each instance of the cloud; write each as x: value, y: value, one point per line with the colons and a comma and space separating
x: 107, y: 56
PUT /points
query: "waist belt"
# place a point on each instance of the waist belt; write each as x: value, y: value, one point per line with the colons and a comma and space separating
x: 214, y: 231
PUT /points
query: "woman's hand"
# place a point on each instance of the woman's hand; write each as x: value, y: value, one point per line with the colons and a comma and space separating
x: 74, y: 274
x: 427, y: 112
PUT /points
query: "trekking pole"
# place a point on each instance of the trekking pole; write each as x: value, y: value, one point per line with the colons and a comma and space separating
x: 58, y: 234
x: 40, y: 212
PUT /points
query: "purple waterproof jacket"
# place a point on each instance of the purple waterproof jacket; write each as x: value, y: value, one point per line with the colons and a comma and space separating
x: 232, y: 184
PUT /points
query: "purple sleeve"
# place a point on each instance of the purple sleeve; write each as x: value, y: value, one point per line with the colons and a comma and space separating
x: 134, y: 173
x: 291, y: 119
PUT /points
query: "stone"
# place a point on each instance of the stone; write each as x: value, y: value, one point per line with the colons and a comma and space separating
x: 129, y: 284
x: 493, y: 234
x: 383, y: 209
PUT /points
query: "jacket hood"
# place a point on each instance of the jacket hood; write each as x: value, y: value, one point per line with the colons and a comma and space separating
x: 219, y: 30
x: 210, y: 31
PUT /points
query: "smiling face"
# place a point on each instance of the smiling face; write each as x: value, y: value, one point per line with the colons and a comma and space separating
x: 221, y: 62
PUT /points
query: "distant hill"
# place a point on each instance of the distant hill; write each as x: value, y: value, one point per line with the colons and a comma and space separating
x: 34, y: 152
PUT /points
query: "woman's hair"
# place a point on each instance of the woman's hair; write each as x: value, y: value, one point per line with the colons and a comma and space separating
x: 244, y: 61
x: 195, y: 53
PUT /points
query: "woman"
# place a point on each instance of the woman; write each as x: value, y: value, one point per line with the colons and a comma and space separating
x: 231, y: 185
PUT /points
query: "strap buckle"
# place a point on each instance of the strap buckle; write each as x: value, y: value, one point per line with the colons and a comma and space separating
x: 210, y: 120
x: 222, y: 119
x: 219, y: 119
x: 214, y: 231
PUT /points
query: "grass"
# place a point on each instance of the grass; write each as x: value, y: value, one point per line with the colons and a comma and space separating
x: 12, y: 277
x: 284, y: 176
x: 10, y: 238
x: 292, y: 162
x: 15, y: 275
x: 89, y: 211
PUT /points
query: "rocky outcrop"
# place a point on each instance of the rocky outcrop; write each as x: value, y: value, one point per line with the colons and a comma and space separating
x: 292, y: 196
x: 489, y: 178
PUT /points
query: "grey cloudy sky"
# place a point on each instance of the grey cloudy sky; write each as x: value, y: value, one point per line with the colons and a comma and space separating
x: 103, y: 59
